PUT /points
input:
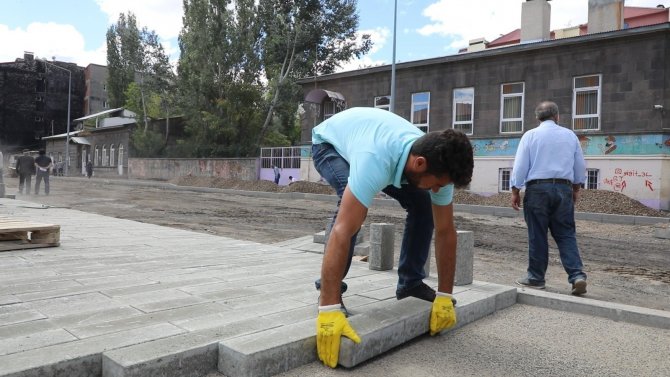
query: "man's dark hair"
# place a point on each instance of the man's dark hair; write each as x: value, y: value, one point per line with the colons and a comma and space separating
x: 546, y: 110
x: 447, y: 153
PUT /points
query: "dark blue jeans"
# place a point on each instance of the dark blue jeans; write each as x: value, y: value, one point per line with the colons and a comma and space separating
x: 415, y: 247
x: 549, y: 206
x: 42, y: 175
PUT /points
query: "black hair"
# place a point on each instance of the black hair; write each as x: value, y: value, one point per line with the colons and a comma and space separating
x: 448, y: 153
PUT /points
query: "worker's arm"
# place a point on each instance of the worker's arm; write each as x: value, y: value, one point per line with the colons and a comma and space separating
x: 332, y: 324
x: 443, y: 315
x: 349, y: 220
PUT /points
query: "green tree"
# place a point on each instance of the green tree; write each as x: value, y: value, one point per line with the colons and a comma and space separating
x: 302, y: 38
x: 219, y: 76
x: 135, y: 55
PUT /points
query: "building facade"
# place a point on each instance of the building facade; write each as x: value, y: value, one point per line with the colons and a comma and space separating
x: 34, y: 100
x: 612, y: 89
x: 95, y: 99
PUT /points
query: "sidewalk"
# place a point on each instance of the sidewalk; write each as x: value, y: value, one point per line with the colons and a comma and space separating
x: 123, y: 298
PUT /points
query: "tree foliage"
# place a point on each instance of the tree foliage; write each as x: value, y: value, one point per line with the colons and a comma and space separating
x: 303, y: 38
x: 240, y: 61
x: 136, y: 56
x: 219, y: 76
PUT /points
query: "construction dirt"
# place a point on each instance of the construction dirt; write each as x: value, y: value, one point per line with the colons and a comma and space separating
x: 624, y: 263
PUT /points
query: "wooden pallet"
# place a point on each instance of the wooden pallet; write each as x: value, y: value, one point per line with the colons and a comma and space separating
x: 19, y: 234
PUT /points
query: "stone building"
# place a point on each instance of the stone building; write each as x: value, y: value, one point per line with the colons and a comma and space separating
x: 611, y: 87
x: 34, y: 100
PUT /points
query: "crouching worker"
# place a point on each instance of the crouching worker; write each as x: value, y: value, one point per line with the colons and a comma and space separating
x: 360, y: 152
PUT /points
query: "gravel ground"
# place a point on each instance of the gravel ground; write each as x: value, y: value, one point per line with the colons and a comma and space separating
x: 598, y: 201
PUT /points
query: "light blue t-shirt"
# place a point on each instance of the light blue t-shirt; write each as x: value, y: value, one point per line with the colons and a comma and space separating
x: 548, y: 151
x: 376, y: 143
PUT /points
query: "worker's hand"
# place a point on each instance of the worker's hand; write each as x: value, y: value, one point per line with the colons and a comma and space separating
x: 331, y: 325
x: 443, y: 315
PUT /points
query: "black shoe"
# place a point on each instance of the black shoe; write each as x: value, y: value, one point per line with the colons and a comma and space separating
x: 525, y: 282
x: 421, y: 291
x: 579, y: 287
x: 343, y: 288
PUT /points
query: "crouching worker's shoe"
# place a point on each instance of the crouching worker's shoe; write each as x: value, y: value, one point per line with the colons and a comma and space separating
x: 579, y: 287
x: 421, y: 291
x: 343, y: 289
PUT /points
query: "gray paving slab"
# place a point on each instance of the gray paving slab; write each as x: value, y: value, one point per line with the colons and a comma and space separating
x: 133, y: 285
x: 610, y: 310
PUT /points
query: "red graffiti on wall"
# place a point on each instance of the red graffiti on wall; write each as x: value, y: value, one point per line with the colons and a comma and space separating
x: 618, y: 181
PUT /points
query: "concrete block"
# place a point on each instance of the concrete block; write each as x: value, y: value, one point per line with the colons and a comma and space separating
x: 382, y: 238
x: 648, y: 220
x: 589, y: 216
x: 322, y: 237
x: 384, y: 328
x: 464, y: 257
x: 269, y: 352
x: 582, y: 305
x: 662, y: 233
x: 189, y: 355
x: 362, y: 249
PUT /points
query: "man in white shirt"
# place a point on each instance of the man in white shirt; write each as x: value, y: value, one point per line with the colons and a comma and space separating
x: 550, y: 163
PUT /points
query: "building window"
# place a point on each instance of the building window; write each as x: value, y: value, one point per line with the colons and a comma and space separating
x: 504, y: 176
x: 383, y: 102
x: 421, y: 110
x: 329, y: 109
x: 121, y: 154
x: 112, y: 151
x: 586, y: 103
x: 464, y: 103
x: 592, y: 176
x: 105, y: 161
x: 105, y: 105
x: 97, y: 155
x: 511, y: 107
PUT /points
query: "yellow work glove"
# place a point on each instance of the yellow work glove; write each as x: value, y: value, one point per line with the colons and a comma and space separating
x: 443, y: 315
x: 331, y: 325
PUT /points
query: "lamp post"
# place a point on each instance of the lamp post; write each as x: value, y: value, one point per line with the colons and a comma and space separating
x: 69, y: 96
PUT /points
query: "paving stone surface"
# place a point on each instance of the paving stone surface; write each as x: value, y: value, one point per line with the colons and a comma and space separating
x: 123, y: 298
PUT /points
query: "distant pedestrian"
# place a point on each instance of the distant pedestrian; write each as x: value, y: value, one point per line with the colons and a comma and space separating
x: 277, y: 174
x: 89, y: 169
x: 290, y: 179
x: 25, y: 168
x: 550, y: 163
x: 43, y: 166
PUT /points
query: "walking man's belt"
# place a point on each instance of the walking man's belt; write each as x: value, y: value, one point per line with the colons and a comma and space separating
x: 549, y: 180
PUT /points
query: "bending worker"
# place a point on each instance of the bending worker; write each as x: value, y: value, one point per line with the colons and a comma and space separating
x: 362, y: 151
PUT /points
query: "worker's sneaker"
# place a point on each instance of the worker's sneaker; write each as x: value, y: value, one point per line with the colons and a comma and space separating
x: 421, y: 291
x: 579, y: 287
x: 525, y: 282
x: 343, y: 289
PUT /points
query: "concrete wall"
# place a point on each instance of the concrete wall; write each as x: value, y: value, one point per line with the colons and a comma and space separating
x: 168, y: 168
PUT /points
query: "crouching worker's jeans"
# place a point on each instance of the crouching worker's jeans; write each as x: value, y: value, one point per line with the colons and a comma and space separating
x: 418, y: 233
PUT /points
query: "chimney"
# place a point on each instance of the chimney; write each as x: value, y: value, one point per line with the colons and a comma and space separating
x: 535, y: 20
x: 478, y: 44
x: 605, y: 15
x: 28, y: 56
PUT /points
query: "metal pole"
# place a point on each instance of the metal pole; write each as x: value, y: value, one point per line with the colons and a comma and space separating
x: 69, y: 97
x: 67, y: 137
x: 395, y: 19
